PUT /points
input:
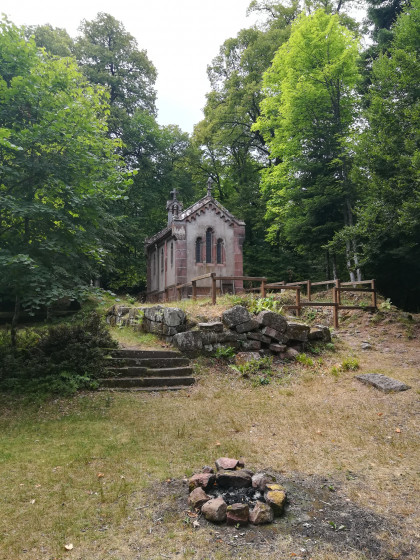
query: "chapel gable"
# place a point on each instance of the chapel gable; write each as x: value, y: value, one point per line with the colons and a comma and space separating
x: 203, y: 238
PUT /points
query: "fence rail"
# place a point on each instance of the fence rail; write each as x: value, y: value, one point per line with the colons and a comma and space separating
x: 338, y: 288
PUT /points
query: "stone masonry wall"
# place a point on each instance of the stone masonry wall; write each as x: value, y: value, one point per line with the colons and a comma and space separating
x: 266, y: 333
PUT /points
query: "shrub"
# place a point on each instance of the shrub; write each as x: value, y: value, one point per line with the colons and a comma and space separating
x: 58, y: 360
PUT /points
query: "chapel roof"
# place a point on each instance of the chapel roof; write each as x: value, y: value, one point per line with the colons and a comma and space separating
x: 191, y: 213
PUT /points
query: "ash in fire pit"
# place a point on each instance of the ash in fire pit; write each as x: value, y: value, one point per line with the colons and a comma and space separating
x: 235, y: 494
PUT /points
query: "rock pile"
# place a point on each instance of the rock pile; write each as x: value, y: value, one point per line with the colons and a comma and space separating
x: 236, y: 495
x: 265, y: 333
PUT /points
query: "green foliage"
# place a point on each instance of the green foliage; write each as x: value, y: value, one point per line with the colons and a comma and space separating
x: 57, y: 360
x: 307, y: 115
x: 350, y: 364
x: 58, y: 170
x: 304, y: 360
x: 259, y: 371
x: 269, y: 303
x: 388, y: 158
x: 110, y: 56
x: 225, y: 353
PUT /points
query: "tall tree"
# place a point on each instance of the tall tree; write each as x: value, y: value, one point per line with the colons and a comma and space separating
x: 58, y: 168
x: 388, y: 170
x: 110, y: 56
x: 54, y: 40
x: 307, y: 117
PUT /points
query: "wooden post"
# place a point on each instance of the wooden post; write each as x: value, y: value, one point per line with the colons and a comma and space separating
x: 308, y: 290
x: 298, y: 301
x: 338, y: 294
x: 335, y: 307
x: 263, y: 282
x: 372, y: 285
x: 194, y: 290
x: 213, y: 288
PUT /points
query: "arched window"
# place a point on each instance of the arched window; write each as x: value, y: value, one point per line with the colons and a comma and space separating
x: 219, y: 251
x: 172, y: 254
x: 209, y: 240
x: 198, y: 250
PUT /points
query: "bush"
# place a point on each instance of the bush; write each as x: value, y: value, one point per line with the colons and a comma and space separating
x: 59, y: 360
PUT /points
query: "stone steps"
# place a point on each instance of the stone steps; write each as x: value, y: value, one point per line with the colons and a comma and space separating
x: 124, y: 372
x: 146, y: 370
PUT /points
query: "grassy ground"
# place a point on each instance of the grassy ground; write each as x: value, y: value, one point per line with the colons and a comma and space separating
x: 103, y: 474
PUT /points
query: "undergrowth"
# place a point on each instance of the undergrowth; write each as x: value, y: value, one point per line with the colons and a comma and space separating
x: 60, y: 359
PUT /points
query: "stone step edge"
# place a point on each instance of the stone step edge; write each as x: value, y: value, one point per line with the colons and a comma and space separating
x: 144, y: 389
x: 148, y: 372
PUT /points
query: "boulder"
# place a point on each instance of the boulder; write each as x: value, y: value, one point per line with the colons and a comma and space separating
x: 225, y: 463
x: 189, y: 342
x: 261, y: 479
x: 251, y: 345
x: 261, y: 514
x: 207, y: 469
x: 231, y: 336
x: 201, y: 480
x: 235, y: 316
x: 319, y: 332
x: 154, y: 313
x: 291, y: 353
x: 258, y: 336
x: 216, y: 327
x: 273, y: 320
x: 275, y: 497
x: 273, y: 333
x: 233, y: 479
x: 248, y: 326
x: 198, y: 498
x: 297, y: 331
x: 215, y: 510
x: 237, y: 514
x: 173, y: 317
x: 277, y: 348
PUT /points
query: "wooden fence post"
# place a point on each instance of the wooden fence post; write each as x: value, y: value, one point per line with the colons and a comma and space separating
x: 338, y: 285
x: 298, y: 301
x: 263, y: 287
x: 194, y: 290
x: 308, y: 290
x: 213, y: 288
x: 372, y: 285
x: 335, y: 307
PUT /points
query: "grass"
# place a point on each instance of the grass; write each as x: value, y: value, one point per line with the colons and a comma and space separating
x: 81, y: 471
x: 104, y: 472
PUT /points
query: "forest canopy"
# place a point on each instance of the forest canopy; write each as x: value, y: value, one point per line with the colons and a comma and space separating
x: 310, y: 134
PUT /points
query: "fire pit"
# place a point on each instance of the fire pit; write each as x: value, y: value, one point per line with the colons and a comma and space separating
x: 235, y: 494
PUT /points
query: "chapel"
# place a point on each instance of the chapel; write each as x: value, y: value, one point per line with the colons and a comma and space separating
x: 200, y: 239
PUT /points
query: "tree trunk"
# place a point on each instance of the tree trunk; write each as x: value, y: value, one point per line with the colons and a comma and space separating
x: 15, y: 320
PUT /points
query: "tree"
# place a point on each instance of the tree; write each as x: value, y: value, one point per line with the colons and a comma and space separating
x: 307, y: 118
x: 54, y: 40
x: 161, y: 157
x: 388, y: 158
x: 58, y: 169
x: 109, y: 56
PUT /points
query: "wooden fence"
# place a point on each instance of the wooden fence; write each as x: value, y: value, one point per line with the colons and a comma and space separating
x: 338, y: 288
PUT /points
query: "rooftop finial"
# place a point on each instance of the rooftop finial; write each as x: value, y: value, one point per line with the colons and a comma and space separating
x: 174, y: 193
x: 209, y: 186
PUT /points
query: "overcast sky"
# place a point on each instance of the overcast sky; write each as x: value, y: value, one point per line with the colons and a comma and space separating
x: 181, y: 38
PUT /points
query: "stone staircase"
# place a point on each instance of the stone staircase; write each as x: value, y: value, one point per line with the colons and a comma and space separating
x: 146, y: 370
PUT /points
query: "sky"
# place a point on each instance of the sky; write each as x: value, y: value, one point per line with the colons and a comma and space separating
x: 181, y: 38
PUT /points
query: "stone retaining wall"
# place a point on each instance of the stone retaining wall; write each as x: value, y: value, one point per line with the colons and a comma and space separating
x: 266, y: 333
